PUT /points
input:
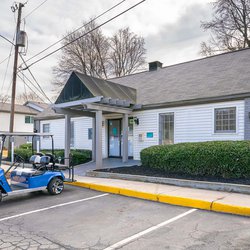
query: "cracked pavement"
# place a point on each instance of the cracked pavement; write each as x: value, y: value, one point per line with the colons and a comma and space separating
x: 98, y: 223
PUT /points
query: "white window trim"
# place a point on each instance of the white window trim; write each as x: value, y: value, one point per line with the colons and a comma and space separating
x: 46, y: 137
x: 159, y: 134
x: 236, y: 117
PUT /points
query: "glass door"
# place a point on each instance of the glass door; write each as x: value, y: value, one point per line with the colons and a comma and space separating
x: 114, y: 138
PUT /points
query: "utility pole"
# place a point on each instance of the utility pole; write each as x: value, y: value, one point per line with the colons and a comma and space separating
x: 13, y: 95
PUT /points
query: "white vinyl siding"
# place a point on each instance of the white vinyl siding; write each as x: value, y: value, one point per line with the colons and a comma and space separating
x: 57, y: 128
x: 191, y: 124
x: 19, y: 123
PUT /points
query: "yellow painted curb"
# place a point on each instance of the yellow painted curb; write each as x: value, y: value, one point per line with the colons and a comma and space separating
x: 231, y: 209
x: 173, y: 200
x: 185, y: 202
x: 138, y: 194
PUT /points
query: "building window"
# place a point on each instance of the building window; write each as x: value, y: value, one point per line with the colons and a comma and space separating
x: 225, y: 120
x: 29, y: 119
x: 90, y: 133
x: 166, y: 128
x: 46, y: 129
x: 72, y: 134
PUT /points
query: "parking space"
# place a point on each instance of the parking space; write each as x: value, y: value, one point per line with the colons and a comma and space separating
x: 85, y: 219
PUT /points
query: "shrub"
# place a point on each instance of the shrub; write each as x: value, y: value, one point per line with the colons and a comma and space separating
x: 78, y: 156
x: 26, y: 146
x: 226, y: 159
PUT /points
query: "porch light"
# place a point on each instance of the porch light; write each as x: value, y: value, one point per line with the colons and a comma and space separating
x: 136, y: 120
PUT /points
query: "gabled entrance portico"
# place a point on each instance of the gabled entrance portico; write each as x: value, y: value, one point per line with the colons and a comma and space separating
x: 95, y: 98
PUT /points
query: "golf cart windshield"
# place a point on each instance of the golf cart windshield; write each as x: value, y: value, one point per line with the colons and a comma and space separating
x: 6, y: 138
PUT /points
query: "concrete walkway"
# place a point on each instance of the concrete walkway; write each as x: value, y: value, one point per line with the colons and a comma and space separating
x: 107, y: 163
x: 189, y: 197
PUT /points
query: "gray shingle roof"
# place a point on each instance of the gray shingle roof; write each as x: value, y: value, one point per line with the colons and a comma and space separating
x: 215, y: 76
x: 80, y: 86
x: 105, y: 88
x: 21, y: 109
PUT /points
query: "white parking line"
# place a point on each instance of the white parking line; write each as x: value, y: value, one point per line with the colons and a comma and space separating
x: 52, y: 207
x: 149, y: 230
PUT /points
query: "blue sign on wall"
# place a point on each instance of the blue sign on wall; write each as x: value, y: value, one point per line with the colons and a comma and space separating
x: 150, y: 134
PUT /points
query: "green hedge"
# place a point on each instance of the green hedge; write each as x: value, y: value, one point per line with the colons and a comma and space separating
x: 78, y: 156
x: 226, y: 159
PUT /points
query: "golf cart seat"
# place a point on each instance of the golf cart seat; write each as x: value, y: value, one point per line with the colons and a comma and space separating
x: 35, y: 159
x: 51, y: 156
x: 26, y: 172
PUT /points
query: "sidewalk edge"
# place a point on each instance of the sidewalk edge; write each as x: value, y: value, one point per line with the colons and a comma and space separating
x: 168, y: 199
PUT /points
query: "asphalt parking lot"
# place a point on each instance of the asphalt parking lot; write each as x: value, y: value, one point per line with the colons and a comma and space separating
x: 84, y: 219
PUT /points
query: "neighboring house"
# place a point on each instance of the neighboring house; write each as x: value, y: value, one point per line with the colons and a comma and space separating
x: 23, y: 118
x: 201, y: 100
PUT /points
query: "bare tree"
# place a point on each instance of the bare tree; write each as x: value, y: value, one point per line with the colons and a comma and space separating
x: 4, y: 98
x: 97, y: 55
x: 127, y: 52
x: 88, y: 55
x: 230, y: 27
x: 30, y: 96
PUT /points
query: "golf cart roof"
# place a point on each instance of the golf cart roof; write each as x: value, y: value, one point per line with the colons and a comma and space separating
x: 24, y: 134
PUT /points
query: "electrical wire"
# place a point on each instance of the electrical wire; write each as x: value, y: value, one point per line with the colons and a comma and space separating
x: 6, y: 59
x: 24, y: 76
x: 35, y: 80
x: 25, y: 91
x: 97, y: 27
x: 100, y: 15
x: 29, y: 87
x: 36, y: 8
x: 7, y: 67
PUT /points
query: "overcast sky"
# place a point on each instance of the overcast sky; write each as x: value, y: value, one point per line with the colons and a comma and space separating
x: 171, y: 29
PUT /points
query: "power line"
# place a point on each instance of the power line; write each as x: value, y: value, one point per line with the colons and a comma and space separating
x: 35, y: 79
x: 76, y: 30
x: 12, y: 45
x: 6, y: 59
x: 35, y: 9
x: 97, y: 27
x: 7, y: 39
x: 29, y: 87
x: 37, y: 89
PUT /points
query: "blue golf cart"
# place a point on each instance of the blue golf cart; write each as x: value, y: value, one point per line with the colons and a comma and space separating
x: 43, y: 171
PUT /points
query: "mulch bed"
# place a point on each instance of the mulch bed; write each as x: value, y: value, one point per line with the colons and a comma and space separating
x: 140, y: 170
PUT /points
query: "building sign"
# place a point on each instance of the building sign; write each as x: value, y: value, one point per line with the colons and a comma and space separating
x: 150, y: 134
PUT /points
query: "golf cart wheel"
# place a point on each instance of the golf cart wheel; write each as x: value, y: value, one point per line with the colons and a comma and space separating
x: 55, y: 186
x: 1, y: 195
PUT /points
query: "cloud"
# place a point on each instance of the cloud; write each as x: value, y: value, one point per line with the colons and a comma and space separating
x: 171, y: 29
x: 181, y: 40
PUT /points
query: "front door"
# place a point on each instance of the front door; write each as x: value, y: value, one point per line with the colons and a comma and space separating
x: 114, y: 138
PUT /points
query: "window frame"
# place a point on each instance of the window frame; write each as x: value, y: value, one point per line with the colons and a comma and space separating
x: 161, y: 127
x: 48, y: 124
x: 30, y: 119
x: 90, y: 133
x: 215, y: 120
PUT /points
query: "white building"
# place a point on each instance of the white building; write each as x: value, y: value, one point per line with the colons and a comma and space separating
x: 23, y: 118
x: 201, y: 100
